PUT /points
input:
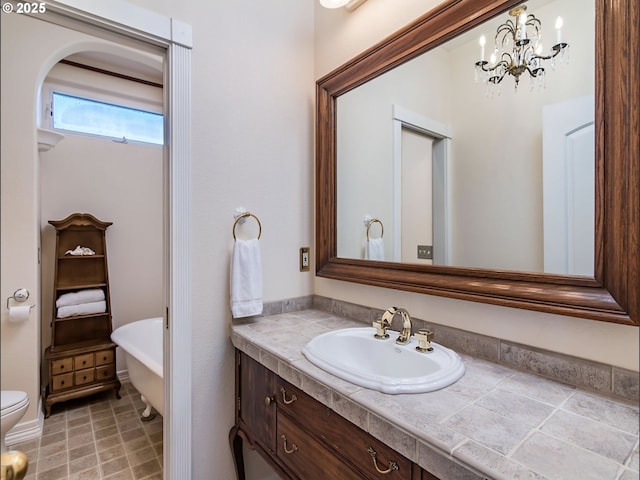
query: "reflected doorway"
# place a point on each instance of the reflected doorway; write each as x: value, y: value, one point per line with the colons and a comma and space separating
x: 420, y: 199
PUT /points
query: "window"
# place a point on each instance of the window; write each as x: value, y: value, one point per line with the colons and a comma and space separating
x: 87, y: 116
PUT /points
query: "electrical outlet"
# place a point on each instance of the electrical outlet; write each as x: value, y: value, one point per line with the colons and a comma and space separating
x: 305, y: 259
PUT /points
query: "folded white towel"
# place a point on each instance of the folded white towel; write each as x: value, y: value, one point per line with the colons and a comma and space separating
x: 374, y: 249
x: 82, y: 309
x: 81, y: 296
x: 246, y: 279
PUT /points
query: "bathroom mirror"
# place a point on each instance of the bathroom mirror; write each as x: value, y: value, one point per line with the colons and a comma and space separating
x: 432, y: 154
x: 609, y: 291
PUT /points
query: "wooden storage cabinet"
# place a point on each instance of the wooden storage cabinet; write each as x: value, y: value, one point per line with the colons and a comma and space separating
x: 81, y: 357
x: 303, y: 439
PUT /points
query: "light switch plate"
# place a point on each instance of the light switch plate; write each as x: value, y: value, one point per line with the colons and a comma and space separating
x: 425, y: 252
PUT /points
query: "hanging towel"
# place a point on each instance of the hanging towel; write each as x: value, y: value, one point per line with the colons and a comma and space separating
x: 81, y: 296
x: 82, y: 309
x: 374, y: 249
x: 246, y: 279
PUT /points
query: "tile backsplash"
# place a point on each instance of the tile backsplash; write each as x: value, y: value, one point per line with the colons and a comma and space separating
x: 598, y: 377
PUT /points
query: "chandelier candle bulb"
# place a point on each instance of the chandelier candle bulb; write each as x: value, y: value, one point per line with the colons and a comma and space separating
x: 483, y: 41
x: 523, y: 26
x: 559, y: 29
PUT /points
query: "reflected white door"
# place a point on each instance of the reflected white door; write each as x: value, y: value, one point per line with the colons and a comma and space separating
x: 417, y: 194
x: 569, y: 187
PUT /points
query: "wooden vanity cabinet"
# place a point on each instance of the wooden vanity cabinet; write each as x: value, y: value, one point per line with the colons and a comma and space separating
x: 303, y: 439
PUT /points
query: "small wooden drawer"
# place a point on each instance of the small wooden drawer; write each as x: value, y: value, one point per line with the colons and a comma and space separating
x: 61, y: 366
x: 105, y: 372
x: 60, y: 382
x: 306, y: 457
x: 104, y: 357
x: 330, y: 427
x: 84, y: 376
x: 83, y: 361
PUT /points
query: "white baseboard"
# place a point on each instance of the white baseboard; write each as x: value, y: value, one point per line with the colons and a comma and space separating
x: 25, y: 431
x: 123, y: 376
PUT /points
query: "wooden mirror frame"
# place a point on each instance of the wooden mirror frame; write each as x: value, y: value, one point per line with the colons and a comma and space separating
x: 613, y: 293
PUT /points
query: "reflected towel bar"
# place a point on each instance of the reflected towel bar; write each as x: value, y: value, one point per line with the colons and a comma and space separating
x: 371, y: 222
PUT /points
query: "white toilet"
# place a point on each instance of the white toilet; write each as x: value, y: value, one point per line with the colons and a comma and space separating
x: 14, y: 406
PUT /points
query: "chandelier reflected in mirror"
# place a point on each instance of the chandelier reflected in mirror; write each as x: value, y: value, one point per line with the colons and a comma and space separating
x: 518, y: 49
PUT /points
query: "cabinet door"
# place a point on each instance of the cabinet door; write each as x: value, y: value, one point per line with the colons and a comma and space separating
x: 257, y: 405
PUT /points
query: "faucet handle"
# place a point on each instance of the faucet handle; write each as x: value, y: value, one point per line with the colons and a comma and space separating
x: 424, y: 338
x: 381, y: 329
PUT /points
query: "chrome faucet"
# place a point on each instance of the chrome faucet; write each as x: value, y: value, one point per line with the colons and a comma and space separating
x: 384, y: 323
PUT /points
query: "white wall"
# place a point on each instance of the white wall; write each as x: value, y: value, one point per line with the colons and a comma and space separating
x: 252, y: 146
x: 252, y: 117
x: 339, y: 37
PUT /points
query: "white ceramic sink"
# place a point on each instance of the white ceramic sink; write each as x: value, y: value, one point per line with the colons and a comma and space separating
x: 355, y: 355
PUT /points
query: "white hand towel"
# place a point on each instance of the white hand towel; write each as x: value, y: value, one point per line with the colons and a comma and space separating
x: 81, y: 296
x: 246, y: 279
x: 374, y: 249
x: 82, y: 309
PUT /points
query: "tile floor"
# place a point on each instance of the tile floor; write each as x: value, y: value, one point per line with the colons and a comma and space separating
x: 97, y: 438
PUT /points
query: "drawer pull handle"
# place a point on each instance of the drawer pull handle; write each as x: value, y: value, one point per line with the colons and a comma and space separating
x: 294, y: 447
x: 284, y: 397
x: 268, y: 400
x: 392, y: 465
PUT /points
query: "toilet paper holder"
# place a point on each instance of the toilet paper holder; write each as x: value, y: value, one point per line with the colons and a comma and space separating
x: 20, y: 295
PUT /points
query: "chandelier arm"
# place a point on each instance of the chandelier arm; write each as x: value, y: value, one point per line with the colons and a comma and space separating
x: 502, y: 63
x: 534, y: 22
x: 534, y: 73
x: 505, y: 29
x: 556, y: 52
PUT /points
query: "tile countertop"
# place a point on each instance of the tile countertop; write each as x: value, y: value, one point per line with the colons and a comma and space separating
x: 497, y: 422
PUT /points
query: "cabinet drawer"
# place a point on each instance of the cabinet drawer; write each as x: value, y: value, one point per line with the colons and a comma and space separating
x: 83, y: 361
x: 331, y: 427
x: 84, y: 376
x: 105, y: 372
x: 60, y: 382
x: 104, y: 357
x: 307, y: 458
x: 61, y: 366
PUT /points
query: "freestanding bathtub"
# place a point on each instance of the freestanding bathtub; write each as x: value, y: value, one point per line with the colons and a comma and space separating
x: 142, y: 344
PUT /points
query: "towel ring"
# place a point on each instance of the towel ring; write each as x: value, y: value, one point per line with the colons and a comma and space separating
x: 371, y: 222
x: 245, y: 215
